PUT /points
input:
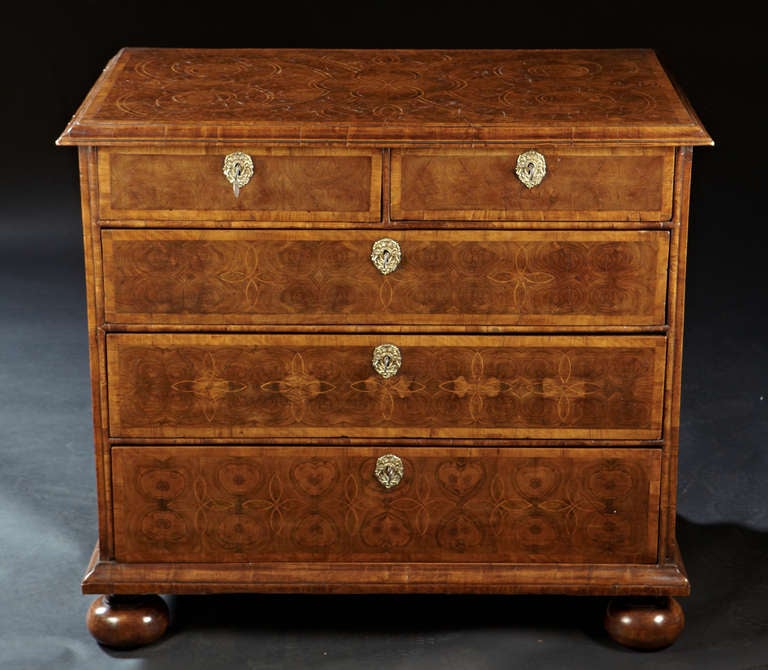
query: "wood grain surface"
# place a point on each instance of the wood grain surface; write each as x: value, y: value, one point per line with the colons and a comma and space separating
x: 460, y: 278
x: 188, y: 185
x: 324, y: 385
x: 584, y: 184
x: 373, y: 95
x: 229, y: 504
x: 597, y: 579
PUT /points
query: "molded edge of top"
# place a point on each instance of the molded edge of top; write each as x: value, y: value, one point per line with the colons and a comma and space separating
x: 85, y: 130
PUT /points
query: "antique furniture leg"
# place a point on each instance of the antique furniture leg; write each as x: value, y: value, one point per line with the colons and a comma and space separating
x: 126, y: 622
x: 644, y: 623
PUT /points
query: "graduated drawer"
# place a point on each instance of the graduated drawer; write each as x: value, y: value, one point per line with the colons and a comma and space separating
x: 444, y: 277
x: 581, y: 184
x: 287, y: 185
x: 242, y: 504
x: 324, y: 386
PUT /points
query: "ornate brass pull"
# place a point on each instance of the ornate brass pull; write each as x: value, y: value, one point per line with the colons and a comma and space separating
x: 531, y: 168
x: 389, y: 470
x: 386, y: 255
x: 387, y: 360
x: 238, y: 169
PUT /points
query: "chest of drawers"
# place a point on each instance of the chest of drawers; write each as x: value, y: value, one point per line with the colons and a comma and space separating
x: 385, y: 321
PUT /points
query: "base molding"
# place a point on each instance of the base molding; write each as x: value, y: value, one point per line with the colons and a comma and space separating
x: 668, y: 579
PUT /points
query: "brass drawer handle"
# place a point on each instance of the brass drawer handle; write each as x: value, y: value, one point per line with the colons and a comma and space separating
x: 389, y: 470
x: 531, y: 168
x: 387, y: 360
x: 238, y: 169
x: 386, y: 255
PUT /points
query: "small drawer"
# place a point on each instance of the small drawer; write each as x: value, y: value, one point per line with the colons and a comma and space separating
x: 285, y: 185
x: 459, y: 278
x: 385, y: 386
x: 579, y: 184
x: 249, y: 504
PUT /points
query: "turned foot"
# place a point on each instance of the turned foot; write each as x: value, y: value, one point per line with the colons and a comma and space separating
x: 124, y: 622
x: 644, y: 623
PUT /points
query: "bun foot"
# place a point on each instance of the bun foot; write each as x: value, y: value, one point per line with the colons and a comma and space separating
x: 644, y: 623
x: 125, y: 622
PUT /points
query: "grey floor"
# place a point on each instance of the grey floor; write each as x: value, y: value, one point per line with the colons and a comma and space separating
x: 47, y: 501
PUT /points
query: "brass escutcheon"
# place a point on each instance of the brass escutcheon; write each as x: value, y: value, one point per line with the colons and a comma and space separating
x: 389, y: 470
x: 387, y: 360
x: 238, y: 169
x: 386, y: 255
x: 531, y: 168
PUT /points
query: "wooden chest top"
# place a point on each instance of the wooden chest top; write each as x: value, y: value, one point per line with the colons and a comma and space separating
x: 398, y: 97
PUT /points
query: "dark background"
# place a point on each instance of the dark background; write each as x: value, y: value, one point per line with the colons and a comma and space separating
x: 52, y: 53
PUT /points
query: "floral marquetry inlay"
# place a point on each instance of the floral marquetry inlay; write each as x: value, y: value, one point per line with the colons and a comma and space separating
x: 520, y: 277
x: 208, y: 388
x: 251, y: 504
x: 188, y: 385
x: 325, y: 276
x: 565, y: 388
x: 298, y: 386
x: 476, y: 387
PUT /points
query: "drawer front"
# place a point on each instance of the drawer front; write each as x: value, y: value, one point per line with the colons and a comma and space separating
x: 444, y: 277
x: 600, y: 184
x: 287, y: 185
x: 241, y: 504
x: 316, y: 386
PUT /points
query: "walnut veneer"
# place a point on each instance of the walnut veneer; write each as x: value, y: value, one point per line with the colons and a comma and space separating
x: 460, y: 386
x: 529, y: 505
x: 596, y: 279
x: 404, y: 354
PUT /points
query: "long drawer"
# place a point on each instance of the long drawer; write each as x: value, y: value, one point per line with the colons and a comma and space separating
x: 532, y: 278
x: 406, y: 386
x: 239, y: 504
